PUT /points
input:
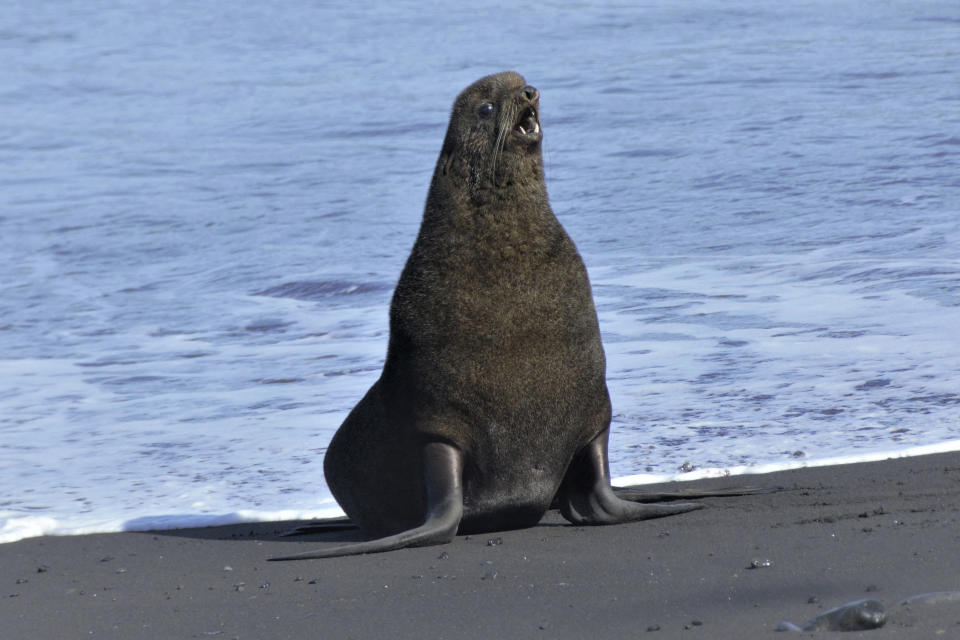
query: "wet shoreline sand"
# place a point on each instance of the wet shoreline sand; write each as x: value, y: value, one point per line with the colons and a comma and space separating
x: 884, y: 530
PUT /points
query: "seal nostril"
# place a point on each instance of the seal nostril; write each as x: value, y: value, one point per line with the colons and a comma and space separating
x: 530, y: 93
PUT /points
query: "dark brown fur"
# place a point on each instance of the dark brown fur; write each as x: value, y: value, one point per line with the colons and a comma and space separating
x: 494, y: 343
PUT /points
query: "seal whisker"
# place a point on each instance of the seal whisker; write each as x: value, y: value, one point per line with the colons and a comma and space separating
x: 502, y: 130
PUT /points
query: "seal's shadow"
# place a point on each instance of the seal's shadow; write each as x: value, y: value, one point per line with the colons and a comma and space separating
x: 280, y: 531
x: 276, y: 531
x: 339, y: 530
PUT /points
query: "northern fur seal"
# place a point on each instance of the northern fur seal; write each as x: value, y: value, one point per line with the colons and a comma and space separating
x: 493, y: 400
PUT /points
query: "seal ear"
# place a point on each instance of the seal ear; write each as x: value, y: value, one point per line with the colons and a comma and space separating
x: 446, y: 158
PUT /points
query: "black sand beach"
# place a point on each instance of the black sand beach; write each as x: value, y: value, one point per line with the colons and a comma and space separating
x: 882, y: 530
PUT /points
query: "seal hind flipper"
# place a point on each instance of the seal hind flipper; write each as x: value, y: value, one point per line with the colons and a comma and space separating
x: 637, y: 494
x: 442, y: 473
x: 586, y: 496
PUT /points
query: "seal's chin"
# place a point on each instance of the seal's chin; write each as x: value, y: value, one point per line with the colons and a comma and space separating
x: 527, y: 125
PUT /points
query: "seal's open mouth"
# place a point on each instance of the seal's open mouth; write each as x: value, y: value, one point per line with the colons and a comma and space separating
x: 527, y: 125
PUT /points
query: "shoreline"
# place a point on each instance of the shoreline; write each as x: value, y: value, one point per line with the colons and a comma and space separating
x: 29, y: 526
x: 886, y: 530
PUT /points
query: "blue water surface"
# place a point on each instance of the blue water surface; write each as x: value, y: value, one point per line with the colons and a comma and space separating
x: 203, y: 213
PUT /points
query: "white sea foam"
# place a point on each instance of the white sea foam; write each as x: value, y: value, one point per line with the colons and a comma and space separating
x: 14, y: 526
x: 742, y: 470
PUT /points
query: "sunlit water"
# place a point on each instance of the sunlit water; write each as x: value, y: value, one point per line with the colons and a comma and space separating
x: 203, y: 213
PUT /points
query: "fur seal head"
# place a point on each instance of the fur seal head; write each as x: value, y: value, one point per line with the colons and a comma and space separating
x: 494, y: 129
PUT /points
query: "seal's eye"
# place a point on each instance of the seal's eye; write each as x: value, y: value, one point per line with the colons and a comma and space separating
x: 485, y: 110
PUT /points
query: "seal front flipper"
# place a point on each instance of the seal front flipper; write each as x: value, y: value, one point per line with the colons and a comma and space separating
x: 586, y: 496
x: 442, y: 473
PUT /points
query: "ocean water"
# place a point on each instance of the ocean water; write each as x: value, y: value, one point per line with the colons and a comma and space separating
x: 203, y: 214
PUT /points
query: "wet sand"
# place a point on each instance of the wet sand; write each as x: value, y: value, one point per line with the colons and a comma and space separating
x: 882, y: 530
